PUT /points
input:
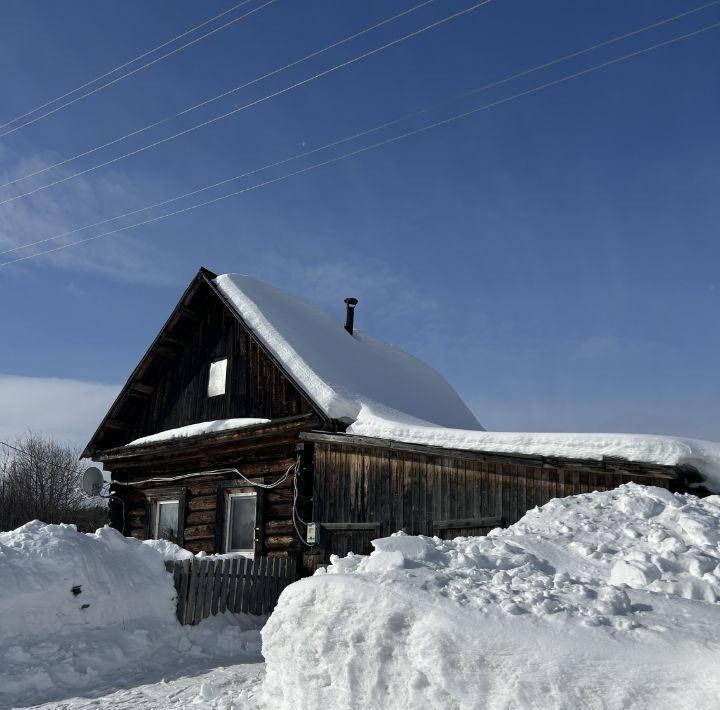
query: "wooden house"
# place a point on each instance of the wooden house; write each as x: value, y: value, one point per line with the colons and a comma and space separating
x: 239, y: 427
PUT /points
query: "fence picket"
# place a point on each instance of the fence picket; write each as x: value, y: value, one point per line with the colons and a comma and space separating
x: 208, y: 586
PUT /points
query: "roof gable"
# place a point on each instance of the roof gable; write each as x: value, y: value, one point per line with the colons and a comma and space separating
x: 169, y: 387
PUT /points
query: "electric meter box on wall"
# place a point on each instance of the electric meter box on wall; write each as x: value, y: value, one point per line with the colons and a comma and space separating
x: 312, y: 533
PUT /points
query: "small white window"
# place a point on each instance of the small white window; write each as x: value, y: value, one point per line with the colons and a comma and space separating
x: 166, y: 520
x: 240, y: 527
x: 218, y: 375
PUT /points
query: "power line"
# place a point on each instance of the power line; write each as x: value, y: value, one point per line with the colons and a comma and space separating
x: 224, y: 94
x: 379, y: 144
x: 285, y: 90
x: 38, y: 458
x: 366, y: 132
x: 133, y: 71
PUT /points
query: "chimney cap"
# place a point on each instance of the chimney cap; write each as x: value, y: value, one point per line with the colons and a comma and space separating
x: 352, y: 302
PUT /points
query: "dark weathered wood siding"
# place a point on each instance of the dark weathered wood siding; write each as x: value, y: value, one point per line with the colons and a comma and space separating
x: 262, y: 454
x: 255, y: 386
x: 444, y: 494
x: 169, y: 388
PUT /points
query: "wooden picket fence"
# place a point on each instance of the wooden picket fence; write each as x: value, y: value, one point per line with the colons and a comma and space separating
x: 208, y: 586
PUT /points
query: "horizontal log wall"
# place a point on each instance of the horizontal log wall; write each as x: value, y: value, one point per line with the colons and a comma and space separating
x: 436, y: 495
x: 203, y: 513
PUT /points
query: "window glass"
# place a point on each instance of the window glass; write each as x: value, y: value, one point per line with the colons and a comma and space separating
x: 216, y: 380
x: 166, y: 526
x: 241, y: 523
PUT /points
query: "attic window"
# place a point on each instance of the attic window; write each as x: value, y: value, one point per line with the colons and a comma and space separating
x: 218, y: 376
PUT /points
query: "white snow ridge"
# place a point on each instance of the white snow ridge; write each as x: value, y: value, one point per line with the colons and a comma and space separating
x: 603, y: 600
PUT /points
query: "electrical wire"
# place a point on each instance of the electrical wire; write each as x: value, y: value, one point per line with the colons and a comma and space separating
x: 295, y: 515
x: 235, y: 89
x: 214, y: 472
x: 39, y: 458
x: 374, y: 129
x: 132, y: 72
x: 251, y: 104
x: 379, y: 144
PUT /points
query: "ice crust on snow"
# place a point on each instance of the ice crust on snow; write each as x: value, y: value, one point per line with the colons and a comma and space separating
x: 704, y: 456
x: 341, y: 373
x: 602, y: 600
x: 199, y: 429
x: 120, y: 625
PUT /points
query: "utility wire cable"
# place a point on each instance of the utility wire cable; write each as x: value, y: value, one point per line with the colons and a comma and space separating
x: 222, y: 95
x: 379, y: 144
x: 274, y: 94
x: 122, y: 66
x: 54, y: 464
x: 131, y: 72
x: 355, y: 136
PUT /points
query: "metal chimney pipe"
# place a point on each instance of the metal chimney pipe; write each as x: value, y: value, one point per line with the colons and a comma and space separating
x: 350, y: 304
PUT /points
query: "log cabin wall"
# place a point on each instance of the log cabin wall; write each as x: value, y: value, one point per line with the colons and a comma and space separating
x: 365, y: 490
x: 263, y: 455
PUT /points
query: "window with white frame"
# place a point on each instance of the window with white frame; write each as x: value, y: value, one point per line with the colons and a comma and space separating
x: 240, y: 524
x: 167, y: 520
x: 217, y: 378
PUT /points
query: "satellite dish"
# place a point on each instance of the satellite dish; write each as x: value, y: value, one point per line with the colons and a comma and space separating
x: 92, y: 481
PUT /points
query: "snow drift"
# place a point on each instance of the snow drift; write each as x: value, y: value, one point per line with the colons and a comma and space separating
x: 603, y: 600
x: 84, y: 611
x: 53, y: 578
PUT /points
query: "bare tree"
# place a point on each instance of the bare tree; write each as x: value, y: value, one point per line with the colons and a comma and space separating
x: 40, y: 479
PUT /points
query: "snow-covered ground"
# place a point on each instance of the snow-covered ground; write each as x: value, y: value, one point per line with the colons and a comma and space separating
x: 604, y: 600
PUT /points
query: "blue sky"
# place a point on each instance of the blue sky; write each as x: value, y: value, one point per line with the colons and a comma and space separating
x: 555, y: 257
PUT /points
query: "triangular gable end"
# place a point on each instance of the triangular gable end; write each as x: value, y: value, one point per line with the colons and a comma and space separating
x: 169, y: 386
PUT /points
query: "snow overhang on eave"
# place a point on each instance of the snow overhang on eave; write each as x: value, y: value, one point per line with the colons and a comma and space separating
x: 251, y: 435
x: 606, y: 463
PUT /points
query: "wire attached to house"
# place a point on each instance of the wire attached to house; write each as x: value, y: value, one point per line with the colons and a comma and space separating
x: 295, y: 515
x: 214, y: 472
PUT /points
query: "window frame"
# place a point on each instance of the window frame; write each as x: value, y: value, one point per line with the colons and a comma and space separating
x: 250, y: 553
x: 217, y: 361
x: 226, y: 489
x: 164, y: 495
x: 156, y: 523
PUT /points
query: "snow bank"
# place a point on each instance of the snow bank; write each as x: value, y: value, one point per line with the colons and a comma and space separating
x: 198, y: 429
x: 603, y: 600
x: 116, y: 579
x: 80, y: 611
x: 652, y: 449
x: 341, y: 373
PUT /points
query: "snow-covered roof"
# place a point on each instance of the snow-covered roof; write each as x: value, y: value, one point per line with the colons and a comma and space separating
x: 343, y: 373
x: 217, y: 425
x: 704, y: 456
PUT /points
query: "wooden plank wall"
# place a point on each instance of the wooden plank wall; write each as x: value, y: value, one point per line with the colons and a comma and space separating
x: 175, y: 378
x: 410, y: 491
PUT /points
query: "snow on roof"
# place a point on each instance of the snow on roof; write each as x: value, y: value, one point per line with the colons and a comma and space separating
x: 343, y: 373
x: 645, y: 448
x: 198, y: 429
